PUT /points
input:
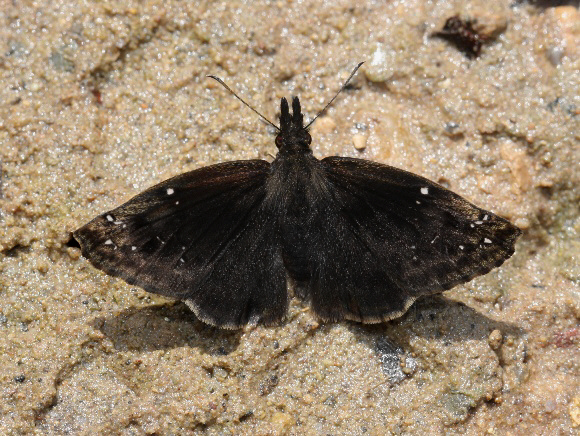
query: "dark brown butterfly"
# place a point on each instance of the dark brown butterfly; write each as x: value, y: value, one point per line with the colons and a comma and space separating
x: 359, y: 240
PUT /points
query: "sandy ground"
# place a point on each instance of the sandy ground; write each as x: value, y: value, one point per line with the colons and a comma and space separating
x: 101, y: 100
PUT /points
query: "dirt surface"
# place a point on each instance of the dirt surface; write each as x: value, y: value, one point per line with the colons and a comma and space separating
x: 100, y: 100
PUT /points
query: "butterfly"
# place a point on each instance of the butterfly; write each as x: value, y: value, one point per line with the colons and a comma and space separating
x: 358, y: 240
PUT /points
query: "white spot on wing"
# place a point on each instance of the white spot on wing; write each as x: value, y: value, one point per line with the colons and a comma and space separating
x: 461, y: 247
x: 133, y: 248
x: 109, y: 242
x: 170, y: 191
x: 118, y: 222
x: 417, y: 201
x: 181, y: 260
x: 471, y: 225
x: 177, y: 202
x: 425, y: 190
x: 479, y: 222
x: 110, y: 218
x: 435, y: 238
x: 485, y: 217
x: 487, y: 241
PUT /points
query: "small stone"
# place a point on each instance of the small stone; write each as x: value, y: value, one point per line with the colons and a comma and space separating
x: 555, y: 55
x: 490, y: 26
x: 560, y: 33
x: 380, y: 67
x: 73, y: 253
x: 550, y: 406
x: 20, y: 378
x: 42, y: 266
x: 494, y: 340
x: 359, y: 141
x: 324, y: 125
x: 282, y: 421
x: 518, y: 163
x: 35, y: 86
x: 220, y: 373
x: 567, y: 18
x: 574, y: 411
x: 523, y: 223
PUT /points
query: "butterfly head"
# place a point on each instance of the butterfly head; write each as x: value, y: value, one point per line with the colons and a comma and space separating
x: 293, y: 136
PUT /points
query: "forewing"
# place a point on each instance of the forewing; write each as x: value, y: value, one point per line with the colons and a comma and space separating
x: 386, y: 236
x: 205, y: 237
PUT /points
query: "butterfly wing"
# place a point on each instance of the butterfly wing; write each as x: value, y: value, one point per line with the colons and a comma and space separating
x: 384, y: 236
x: 205, y: 237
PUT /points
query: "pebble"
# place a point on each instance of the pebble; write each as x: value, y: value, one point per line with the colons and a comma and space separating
x: 494, y: 340
x: 282, y: 421
x: 574, y: 411
x: 490, y: 25
x: 568, y: 18
x: 518, y: 163
x: 380, y: 67
x: 561, y: 31
x: 324, y: 125
x: 359, y: 141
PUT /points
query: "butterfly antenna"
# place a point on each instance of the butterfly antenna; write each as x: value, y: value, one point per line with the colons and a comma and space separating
x: 334, y: 98
x: 221, y: 82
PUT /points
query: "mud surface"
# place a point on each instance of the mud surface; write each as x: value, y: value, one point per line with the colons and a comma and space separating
x: 101, y: 100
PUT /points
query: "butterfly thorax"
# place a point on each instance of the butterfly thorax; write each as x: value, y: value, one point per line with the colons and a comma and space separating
x: 294, y: 172
x: 293, y: 137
